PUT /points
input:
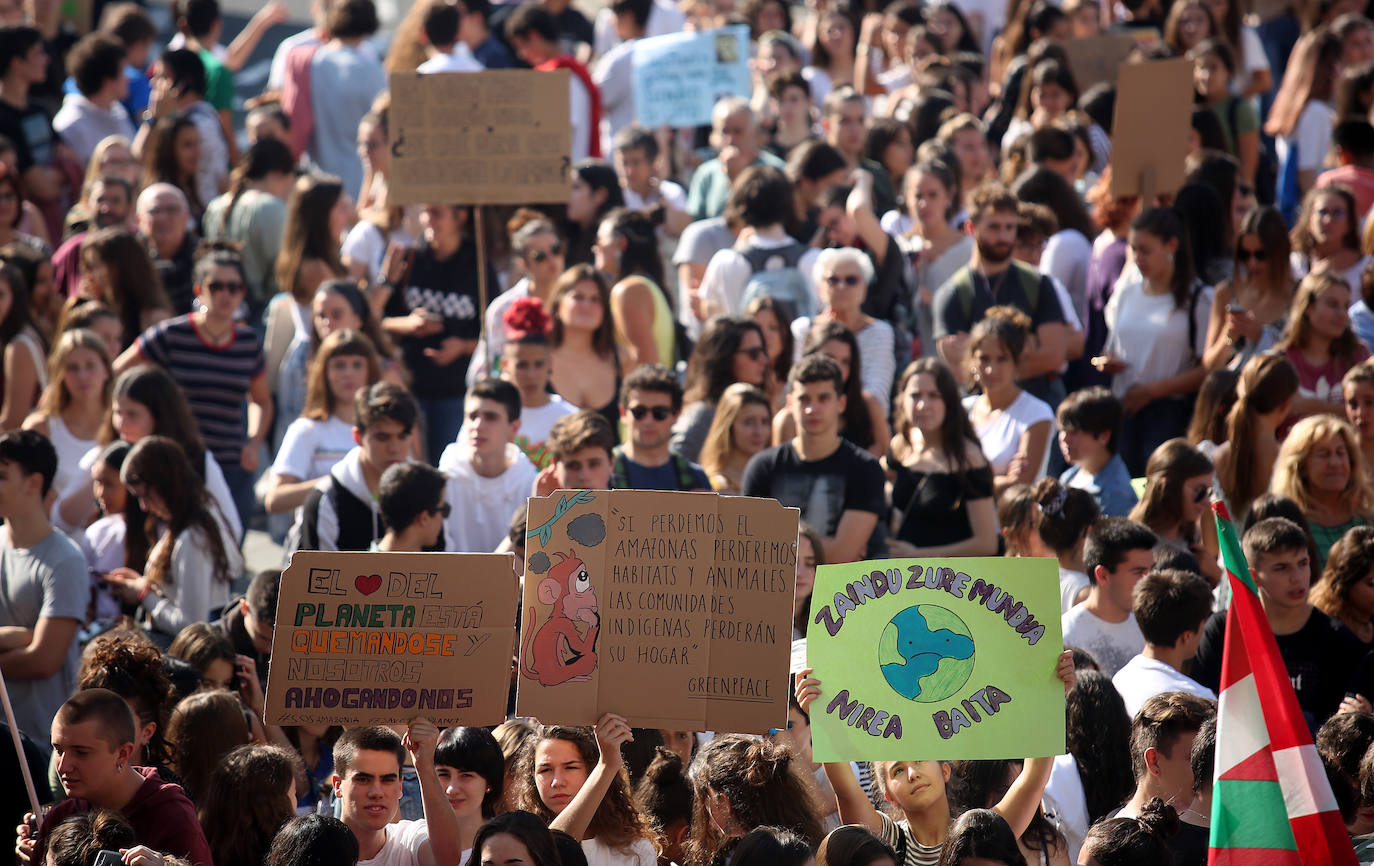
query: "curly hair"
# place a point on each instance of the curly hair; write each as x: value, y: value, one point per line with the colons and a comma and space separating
x: 245, y: 803
x: 618, y: 822
x: 761, y: 784
x: 77, y: 840
x: 1290, y: 476
x: 1350, y: 561
x: 130, y: 665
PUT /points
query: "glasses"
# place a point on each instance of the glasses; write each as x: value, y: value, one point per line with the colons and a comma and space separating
x: 755, y: 353
x: 443, y: 510
x: 215, y: 286
x: 1245, y: 255
x: 850, y: 280
x: 539, y: 256
x: 660, y: 413
x: 773, y: 732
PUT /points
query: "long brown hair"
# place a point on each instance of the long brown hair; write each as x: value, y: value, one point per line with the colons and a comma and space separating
x: 306, y: 235
x: 763, y: 785
x: 319, y: 400
x: 1267, y: 382
x: 56, y: 397
x: 245, y: 804
x: 1350, y: 561
x: 1299, y: 330
x: 202, y: 728
x: 956, y: 431
x: 617, y: 822
x: 603, y: 341
x: 134, y: 286
x: 1172, y: 464
x: 719, y: 444
x: 160, y: 464
x: 1214, y: 399
x: 1308, y: 76
x: 1301, y: 237
x: 1275, y: 277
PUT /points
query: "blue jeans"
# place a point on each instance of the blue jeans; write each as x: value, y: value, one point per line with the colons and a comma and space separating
x: 1153, y: 425
x: 240, y: 483
x: 443, y: 418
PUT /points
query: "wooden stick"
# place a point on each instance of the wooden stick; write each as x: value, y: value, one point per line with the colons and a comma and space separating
x: 478, y: 218
x: 19, y: 751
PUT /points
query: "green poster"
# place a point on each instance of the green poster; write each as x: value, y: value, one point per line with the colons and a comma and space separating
x: 936, y: 659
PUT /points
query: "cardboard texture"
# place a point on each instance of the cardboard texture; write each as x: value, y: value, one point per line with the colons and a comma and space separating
x: 493, y: 137
x: 381, y: 638
x: 679, y: 77
x: 1154, y: 110
x: 1095, y: 60
x: 936, y: 659
x: 671, y: 609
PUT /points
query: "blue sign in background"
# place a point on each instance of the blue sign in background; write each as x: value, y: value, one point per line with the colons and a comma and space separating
x: 679, y: 77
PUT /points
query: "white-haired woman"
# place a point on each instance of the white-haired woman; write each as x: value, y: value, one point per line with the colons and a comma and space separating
x: 842, y: 276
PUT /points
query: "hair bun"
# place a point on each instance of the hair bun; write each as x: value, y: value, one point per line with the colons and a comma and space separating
x: 665, y: 768
x: 765, y: 762
x: 1159, y: 818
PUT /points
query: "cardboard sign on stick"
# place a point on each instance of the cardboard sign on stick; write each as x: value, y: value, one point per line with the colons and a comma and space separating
x: 381, y: 638
x: 1095, y: 60
x: 943, y: 659
x: 1154, y: 110
x: 493, y: 137
x: 671, y: 609
x: 679, y: 77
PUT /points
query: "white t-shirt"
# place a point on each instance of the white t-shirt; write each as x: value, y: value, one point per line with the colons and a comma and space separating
x: 458, y: 60
x: 600, y: 854
x: 482, y: 507
x: 669, y: 193
x: 310, y: 448
x: 1070, y: 583
x: 1001, y: 436
x: 1066, y: 805
x: 1066, y: 257
x: 535, y: 424
x: 614, y: 77
x: 1312, y: 135
x: 1142, y: 678
x: 1113, y: 644
x: 403, y: 842
x: 1150, y: 334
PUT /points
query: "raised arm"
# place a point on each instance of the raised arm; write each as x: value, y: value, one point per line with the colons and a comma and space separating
x: 611, y: 731
x: 445, y: 845
x: 854, y: 805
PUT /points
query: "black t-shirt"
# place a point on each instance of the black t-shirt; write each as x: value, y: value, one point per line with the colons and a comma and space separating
x: 1320, y: 658
x: 934, y: 505
x: 1189, y: 845
x: 31, y: 131
x: 448, y: 288
x: 850, y: 479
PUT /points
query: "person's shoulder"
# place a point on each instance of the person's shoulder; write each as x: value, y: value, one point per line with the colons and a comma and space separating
x: 1032, y: 409
x: 59, y: 553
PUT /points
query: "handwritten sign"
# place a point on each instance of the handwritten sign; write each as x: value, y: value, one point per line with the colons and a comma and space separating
x: 671, y: 609
x: 1154, y: 110
x: 936, y: 659
x: 381, y: 638
x: 493, y: 137
x: 679, y: 77
x: 1096, y: 59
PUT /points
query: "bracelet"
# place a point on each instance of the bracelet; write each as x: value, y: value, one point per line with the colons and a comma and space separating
x: 143, y: 593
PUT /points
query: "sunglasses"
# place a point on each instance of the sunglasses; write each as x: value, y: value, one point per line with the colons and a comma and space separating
x: 846, y: 280
x: 443, y: 510
x: 217, y: 286
x: 660, y: 413
x: 539, y: 256
x: 755, y: 353
x: 1245, y: 255
x: 1202, y: 494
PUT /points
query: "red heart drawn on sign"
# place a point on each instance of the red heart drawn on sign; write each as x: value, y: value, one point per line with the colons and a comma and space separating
x: 368, y: 584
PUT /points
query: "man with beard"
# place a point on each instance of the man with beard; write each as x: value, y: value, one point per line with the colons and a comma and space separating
x: 992, y: 278
x: 108, y: 200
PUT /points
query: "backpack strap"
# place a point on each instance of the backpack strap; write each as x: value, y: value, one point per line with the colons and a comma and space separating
x: 686, y: 478
x: 963, y: 290
x: 620, y: 473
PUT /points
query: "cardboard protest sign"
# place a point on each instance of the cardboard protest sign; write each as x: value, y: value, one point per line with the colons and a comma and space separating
x: 1154, y: 110
x: 942, y: 659
x: 679, y: 77
x: 493, y: 137
x: 381, y: 638
x: 1095, y: 60
x: 671, y: 609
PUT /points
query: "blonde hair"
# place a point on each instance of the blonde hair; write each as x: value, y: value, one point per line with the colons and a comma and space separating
x: 719, y: 446
x: 56, y: 397
x: 1306, y: 435
x: 319, y: 400
x: 1299, y: 330
x: 93, y: 172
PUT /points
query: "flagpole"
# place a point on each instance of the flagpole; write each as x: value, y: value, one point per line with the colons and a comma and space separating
x: 19, y: 749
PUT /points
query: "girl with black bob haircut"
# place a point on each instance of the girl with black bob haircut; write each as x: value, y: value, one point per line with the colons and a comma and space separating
x: 514, y: 834
x: 470, y: 767
x: 314, y: 840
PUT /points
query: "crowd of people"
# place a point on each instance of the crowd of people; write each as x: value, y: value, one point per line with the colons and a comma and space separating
x: 893, y: 285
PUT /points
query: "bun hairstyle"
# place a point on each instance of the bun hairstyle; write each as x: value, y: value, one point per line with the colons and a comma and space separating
x: 77, y: 840
x: 761, y: 785
x: 1063, y: 515
x: 664, y: 793
x: 527, y: 322
x: 1008, y: 325
x: 1134, y: 841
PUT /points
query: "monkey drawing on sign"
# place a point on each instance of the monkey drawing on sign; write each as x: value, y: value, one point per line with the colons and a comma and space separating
x: 558, y: 652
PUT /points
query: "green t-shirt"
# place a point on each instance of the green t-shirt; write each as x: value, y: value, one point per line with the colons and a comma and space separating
x: 219, y: 81
x: 1246, y: 117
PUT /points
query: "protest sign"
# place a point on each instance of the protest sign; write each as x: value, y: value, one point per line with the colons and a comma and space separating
x: 494, y: 137
x: 381, y: 638
x: 1095, y: 60
x: 936, y: 659
x: 679, y: 77
x: 1154, y: 111
x: 671, y: 609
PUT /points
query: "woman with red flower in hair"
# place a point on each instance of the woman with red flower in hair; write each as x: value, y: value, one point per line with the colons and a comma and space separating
x: 527, y: 363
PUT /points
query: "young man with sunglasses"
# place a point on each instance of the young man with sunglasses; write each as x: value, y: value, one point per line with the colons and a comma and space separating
x: 218, y: 362
x: 488, y: 475
x: 411, y: 498
x: 650, y: 401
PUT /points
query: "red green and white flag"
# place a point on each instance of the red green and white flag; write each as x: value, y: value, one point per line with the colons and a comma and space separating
x: 1271, y: 804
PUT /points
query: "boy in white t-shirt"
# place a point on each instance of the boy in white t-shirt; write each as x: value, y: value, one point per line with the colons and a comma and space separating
x: 527, y: 363
x: 367, y: 784
x: 1171, y: 607
x: 1117, y: 554
x: 489, y: 477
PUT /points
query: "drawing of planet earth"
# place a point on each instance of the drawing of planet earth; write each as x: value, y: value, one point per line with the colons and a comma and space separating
x: 926, y: 653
